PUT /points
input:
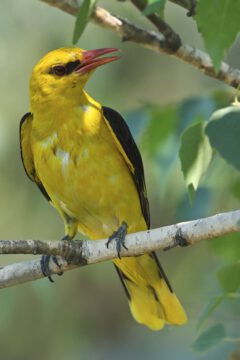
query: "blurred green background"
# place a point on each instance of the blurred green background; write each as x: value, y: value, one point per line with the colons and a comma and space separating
x: 84, y: 314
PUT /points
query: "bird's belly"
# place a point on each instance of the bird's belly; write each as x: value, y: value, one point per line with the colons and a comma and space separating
x: 92, y: 185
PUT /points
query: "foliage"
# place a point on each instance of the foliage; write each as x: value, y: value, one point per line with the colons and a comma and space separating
x: 218, y: 22
x: 198, y: 141
x: 227, y: 247
x: 229, y: 277
x: 212, y: 336
x: 195, y: 162
x: 154, y: 6
x: 84, y: 14
x: 224, y: 125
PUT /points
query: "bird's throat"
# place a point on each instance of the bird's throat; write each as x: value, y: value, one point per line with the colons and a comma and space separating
x: 51, y: 115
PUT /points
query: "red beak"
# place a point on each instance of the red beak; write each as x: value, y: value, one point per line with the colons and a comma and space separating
x: 91, y: 59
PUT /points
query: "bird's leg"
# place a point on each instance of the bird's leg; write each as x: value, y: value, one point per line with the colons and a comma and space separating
x: 69, y: 258
x: 119, y: 237
x: 70, y: 227
x: 45, y: 259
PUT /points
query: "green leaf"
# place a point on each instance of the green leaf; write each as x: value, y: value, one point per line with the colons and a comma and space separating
x: 155, y: 6
x: 229, y: 277
x: 223, y: 131
x: 85, y: 11
x: 195, y: 155
x: 218, y: 21
x: 162, y: 123
x: 228, y: 247
x: 194, y: 109
x: 210, y: 307
x: 209, y: 338
x: 235, y: 188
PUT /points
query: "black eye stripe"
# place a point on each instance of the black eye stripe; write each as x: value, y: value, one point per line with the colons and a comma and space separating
x: 61, y: 70
x: 71, y: 66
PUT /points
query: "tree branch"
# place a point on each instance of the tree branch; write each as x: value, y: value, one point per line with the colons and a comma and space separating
x: 172, y: 38
x: 84, y: 252
x: 153, y: 41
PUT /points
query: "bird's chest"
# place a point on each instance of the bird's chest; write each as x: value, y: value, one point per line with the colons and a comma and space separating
x: 67, y: 147
x: 79, y: 165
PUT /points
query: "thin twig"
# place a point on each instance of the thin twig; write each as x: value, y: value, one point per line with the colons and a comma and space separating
x: 84, y: 252
x: 192, y: 10
x: 172, y: 38
x: 153, y: 41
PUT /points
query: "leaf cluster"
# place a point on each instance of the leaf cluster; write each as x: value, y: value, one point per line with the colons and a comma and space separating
x: 205, y: 134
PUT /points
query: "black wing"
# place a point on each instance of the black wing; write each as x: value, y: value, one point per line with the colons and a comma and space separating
x: 124, y: 136
x: 26, y: 152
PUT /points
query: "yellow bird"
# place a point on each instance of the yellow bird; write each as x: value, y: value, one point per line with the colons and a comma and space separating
x: 84, y: 160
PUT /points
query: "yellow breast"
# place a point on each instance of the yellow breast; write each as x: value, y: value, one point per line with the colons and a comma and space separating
x: 85, y: 175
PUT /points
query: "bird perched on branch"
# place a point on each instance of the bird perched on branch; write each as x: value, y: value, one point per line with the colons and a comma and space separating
x: 84, y: 160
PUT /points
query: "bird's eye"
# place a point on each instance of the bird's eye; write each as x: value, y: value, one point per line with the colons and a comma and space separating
x: 58, y: 70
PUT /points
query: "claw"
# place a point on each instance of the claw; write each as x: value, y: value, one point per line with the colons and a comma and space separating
x: 67, y: 238
x: 45, y: 267
x: 119, y: 237
x: 45, y: 259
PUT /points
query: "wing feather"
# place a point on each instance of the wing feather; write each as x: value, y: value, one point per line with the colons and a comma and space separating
x: 26, y: 152
x: 131, y: 154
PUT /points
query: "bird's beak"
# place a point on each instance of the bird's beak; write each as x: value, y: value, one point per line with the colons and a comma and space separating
x: 91, y: 59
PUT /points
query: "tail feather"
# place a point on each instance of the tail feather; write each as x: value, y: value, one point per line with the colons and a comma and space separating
x: 151, y: 298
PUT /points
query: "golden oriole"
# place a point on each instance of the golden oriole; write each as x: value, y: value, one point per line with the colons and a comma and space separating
x: 84, y: 160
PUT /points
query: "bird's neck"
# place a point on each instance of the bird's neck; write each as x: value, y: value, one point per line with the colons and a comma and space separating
x: 48, y: 116
x: 42, y: 102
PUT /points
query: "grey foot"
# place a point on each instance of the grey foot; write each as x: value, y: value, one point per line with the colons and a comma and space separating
x: 119, y: 237
x: 45, y: 259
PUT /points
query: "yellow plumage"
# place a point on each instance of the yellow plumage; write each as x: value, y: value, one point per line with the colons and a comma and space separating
x: 72, y: 153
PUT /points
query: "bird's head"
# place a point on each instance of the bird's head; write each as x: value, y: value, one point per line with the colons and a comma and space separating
x: 64, y: 72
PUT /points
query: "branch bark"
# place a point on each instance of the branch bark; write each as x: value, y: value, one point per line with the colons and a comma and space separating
x: 84, y: 252
x: 154, y: 41
x: 172, y: 38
